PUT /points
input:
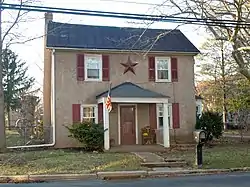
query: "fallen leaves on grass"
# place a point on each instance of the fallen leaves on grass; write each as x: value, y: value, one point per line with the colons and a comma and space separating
x: 218, y: 157
x: 18, y: 180
x: 61, y: 162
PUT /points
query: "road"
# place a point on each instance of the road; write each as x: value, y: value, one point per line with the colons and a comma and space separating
x: 228, y: 180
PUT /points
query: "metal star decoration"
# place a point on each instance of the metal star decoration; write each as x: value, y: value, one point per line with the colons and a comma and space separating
x: 129, y: 66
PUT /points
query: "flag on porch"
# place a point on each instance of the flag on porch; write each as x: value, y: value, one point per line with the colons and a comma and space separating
x: 108, y: 100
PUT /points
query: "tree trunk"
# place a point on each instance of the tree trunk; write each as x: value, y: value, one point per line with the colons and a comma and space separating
x: 8, y: 117
x: 240, y: 61
x: 223, y: 84
x: 2, y: 118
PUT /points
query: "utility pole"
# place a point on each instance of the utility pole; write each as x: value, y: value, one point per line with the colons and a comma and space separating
x: 2, y: 117
x: 223, y: 85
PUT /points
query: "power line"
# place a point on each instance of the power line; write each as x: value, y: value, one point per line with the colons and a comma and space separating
x: 145, y: 17
x: 120, y: 13
x: 135, y: 2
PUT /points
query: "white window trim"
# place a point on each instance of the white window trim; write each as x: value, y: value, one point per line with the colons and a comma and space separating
x: 171, y: 116
x: 169, y: 70
x: 199, y: 109
x: 199, y: 105
x: 95, y: 109
x: 85, y: 67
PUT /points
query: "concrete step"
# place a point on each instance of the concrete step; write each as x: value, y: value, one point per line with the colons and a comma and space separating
x: 174, y: 160
x: 149, y: 157
x: 164, y: 164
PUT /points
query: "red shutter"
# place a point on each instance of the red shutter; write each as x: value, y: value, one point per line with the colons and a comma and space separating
x: 152, y: 116
x: 100, y: 113
x: 76, y: 114
x: 151, y: 68
x: 176, y: 115
x: 174, y: 69
x: 80, y: 67
x: 105, y: 67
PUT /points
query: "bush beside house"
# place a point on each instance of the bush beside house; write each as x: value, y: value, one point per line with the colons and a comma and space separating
x: 90, y: 134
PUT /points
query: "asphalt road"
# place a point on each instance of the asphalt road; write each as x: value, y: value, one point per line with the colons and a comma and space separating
x: 229, y: 180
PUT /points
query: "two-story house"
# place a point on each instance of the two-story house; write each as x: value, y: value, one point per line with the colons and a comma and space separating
x: 152, y: 76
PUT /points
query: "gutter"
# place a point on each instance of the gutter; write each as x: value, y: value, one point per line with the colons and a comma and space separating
x: 53, y: 107
x: 194, y: 53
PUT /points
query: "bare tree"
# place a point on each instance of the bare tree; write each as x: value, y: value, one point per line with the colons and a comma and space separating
x: 8, y: 34
x: 224, y: 12
x: 218, y: 65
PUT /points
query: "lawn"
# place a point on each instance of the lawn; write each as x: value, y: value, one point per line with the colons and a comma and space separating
x: 13, y: 138
x: 218, y: 157
x: 65, y: 161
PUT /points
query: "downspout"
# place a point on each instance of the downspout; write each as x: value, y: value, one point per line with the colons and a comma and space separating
x: 53, y: 110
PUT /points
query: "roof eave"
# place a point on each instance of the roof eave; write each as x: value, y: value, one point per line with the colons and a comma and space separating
x: 194, y: 53
x: 158, y: 97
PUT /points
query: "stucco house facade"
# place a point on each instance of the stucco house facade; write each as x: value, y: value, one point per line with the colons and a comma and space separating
x: 152, y: 82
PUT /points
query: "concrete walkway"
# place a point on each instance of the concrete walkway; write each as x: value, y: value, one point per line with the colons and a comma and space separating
x: 149, y: 157
x: 158, y: 163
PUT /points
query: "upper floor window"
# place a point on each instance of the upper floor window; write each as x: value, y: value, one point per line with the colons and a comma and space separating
x: 93, y: 67
x: 162, y: 70
x: 159, y: 110
x: 89, y: 113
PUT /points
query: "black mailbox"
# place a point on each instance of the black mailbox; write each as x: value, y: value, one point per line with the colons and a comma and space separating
x: 199, y: 136
x: 200, y: 139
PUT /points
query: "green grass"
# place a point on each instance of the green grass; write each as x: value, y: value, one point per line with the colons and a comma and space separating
x: 236, y: 132
x: 13, y: 138
x: 60, y: 161
x: 218, y: 157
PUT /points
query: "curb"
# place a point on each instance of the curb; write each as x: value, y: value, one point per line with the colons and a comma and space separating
x: 116, y: 175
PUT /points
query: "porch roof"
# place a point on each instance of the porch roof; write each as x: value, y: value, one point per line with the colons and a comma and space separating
x: 131, y: 90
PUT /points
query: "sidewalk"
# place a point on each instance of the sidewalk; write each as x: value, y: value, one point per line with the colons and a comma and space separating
x: 116, y: 175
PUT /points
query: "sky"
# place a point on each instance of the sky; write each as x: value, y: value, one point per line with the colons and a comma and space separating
x: 32, y: 52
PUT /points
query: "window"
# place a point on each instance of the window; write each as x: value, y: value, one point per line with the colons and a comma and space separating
x: 198, y: 108
x: 162, y: 69
x: 93, y: 67
x: 89, y: 113
x: 160, y: 115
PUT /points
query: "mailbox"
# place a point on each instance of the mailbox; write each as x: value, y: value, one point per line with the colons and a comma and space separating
x: 200, y: 136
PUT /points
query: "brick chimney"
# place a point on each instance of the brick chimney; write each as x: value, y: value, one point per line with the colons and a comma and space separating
x: 48, y: 16
x: 47, y: 83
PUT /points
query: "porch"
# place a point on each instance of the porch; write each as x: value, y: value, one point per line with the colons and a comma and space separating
x: 133, y: 109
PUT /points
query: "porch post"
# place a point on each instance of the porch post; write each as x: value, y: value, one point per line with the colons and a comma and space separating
x: 106, y: 126
x: 166, y: 139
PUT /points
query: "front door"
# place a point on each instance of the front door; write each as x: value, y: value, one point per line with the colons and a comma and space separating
x: 127, y: 127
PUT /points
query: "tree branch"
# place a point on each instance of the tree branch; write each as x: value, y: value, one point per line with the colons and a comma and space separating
x: 14, y: 23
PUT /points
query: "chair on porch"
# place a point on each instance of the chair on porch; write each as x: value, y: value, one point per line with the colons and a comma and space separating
x: 148, y: 136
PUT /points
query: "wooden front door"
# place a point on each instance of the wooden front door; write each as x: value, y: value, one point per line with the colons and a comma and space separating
x: 127, y: 125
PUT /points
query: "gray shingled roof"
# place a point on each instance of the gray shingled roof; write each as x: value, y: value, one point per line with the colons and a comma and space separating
x: 128, y: 89
x: 66, y: 35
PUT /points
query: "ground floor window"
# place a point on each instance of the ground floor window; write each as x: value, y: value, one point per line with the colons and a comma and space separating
x: 89, y: 113
x: 159, y: 110
x: 198, y: 110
